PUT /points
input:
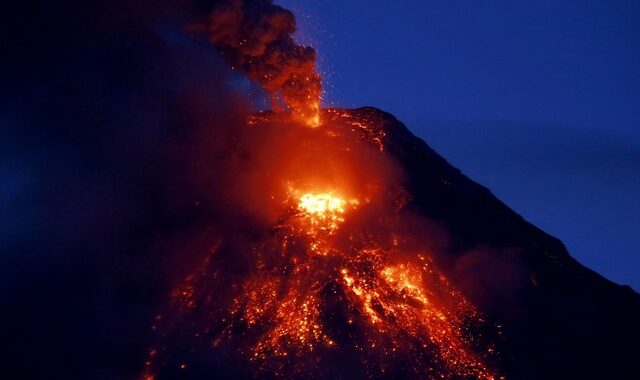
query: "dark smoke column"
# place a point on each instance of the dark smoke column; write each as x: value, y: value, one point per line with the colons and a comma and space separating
x: 256, y: 36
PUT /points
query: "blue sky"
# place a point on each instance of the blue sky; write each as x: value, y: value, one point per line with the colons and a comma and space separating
x: 537, y: 100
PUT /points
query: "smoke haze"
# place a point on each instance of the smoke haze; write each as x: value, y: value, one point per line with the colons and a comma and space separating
x: 104, y: 110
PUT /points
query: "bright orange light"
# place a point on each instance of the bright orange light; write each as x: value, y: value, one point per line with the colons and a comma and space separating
x: 322, y: 205
x: 405, y: 281
x: 309, y: 113
x: 323, y: 211
x: 316, y: 271
x: 314, y: 120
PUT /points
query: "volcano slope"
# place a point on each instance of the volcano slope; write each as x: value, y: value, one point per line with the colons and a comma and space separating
x: 378, y: 259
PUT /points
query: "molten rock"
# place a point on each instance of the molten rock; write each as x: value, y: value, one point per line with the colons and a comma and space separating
x: 365, y: 254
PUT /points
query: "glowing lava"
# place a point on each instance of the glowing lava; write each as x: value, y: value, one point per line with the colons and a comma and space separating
x: 312, y: 114
x: 324, y: 211
x: 339, y: 277
x: 323, y: 206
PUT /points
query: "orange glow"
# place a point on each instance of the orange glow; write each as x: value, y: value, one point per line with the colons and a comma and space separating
x: 313, y: 118
x: 324, y: 211
x: 324, y: 206
x: 334, y: 271
x: 405, y: 281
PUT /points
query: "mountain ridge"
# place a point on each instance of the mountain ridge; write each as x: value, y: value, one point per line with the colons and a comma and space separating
x: 466, y: 207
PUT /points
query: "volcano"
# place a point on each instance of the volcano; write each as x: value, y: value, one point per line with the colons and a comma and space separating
x: 156, y: 227
x: 362, y: 253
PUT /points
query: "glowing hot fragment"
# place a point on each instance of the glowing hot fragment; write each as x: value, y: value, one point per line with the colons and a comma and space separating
x: 335, y: 276
x: 323, y: 205
x: 323, y: 211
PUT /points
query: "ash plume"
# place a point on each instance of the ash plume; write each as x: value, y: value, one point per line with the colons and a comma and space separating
x: 256, y: 36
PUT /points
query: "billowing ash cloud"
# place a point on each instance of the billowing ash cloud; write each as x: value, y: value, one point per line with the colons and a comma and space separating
x: 256, y: 37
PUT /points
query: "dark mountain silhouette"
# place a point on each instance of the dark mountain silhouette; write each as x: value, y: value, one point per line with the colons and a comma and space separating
x: 565, y: 320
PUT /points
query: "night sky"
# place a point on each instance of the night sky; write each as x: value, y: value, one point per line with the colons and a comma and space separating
x: 538, y: 101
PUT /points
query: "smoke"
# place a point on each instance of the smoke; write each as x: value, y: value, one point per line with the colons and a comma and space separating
x: 112, y: 118
x: 492, y: 278
x: 256, y: 37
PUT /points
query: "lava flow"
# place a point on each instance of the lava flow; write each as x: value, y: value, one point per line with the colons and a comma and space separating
x: 333, y: 280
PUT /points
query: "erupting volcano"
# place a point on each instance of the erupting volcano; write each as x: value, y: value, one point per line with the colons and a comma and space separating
x: 181, y: 199
x: 361, y: 253
x: 342, y: 272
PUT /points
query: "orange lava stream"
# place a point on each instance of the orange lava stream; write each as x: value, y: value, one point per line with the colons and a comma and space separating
x: 317, y: 288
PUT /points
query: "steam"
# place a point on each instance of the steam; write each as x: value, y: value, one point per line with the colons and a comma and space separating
x: 256, y: 37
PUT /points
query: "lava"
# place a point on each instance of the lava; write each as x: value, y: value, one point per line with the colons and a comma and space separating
x: 324, y: 211
x: 338, y: 274
x: 322, y: 205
